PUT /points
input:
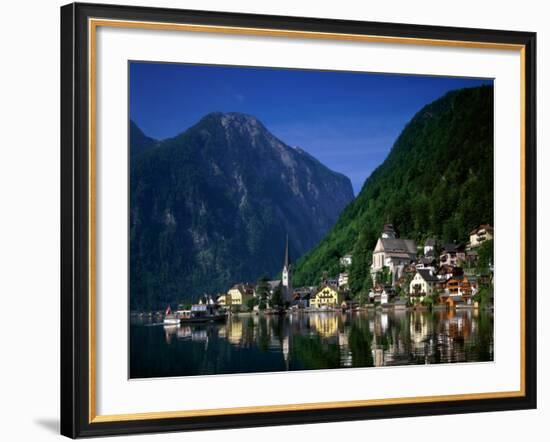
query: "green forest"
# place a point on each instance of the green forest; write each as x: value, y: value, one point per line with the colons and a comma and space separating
x: 437, y: 181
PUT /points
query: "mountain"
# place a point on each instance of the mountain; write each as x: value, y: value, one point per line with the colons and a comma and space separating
x: 139, y: 142
x: 213, y: 205
x: 437, y: 181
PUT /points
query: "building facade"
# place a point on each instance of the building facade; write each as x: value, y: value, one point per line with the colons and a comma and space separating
x: 392, y: 252
x: 326, y: 296
x: 238, y: 295
x: 480, y: 234
x: 423, y: 283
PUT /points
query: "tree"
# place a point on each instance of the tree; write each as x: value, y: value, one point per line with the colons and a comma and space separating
x: 485, y: 257
x: 277, y: 297
x: 484, y: 296
x: 384, y: 276
x: 363, y: 298
x: 251, y: 303
x: 262, y: 288
x: 359, y: 271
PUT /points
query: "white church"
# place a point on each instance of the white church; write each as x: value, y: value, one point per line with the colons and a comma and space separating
x: 392, y: 252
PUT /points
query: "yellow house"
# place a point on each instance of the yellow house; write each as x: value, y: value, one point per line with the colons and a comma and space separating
x: 326, y: 296
x: 222, y: 300
x: 239, y: 294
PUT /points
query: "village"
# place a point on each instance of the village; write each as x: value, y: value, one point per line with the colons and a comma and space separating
x: 404, y: 276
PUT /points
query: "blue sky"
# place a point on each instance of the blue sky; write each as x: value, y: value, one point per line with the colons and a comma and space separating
x: 347, y: 120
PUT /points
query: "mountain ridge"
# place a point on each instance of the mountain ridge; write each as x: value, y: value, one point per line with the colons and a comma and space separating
x: 212, y: 206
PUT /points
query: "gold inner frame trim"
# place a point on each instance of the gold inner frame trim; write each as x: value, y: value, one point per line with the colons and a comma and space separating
x: 93, y: 24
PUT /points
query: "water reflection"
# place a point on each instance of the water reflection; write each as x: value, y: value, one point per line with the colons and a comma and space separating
x: 251, y: 343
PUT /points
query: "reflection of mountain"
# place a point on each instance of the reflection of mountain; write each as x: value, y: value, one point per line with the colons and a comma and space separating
x: 213, y: 206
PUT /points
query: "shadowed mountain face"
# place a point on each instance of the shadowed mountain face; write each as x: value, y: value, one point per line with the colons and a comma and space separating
x: 213, y: 206
x: 139, y: 142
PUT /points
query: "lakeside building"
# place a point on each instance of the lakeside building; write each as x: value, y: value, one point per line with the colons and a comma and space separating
x: 302, y: 296
x: 238, y: 295
x: 327, y: 296
x: 392, y: 252
x: 423, y: 284
x: 382, y: 294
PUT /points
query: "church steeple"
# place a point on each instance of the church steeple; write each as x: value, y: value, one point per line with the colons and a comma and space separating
x: 287, y: 274
x: 286, y: 264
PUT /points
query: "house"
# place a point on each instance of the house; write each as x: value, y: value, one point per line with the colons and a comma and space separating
x: 206, y: 300
x: 343, y: 279
x: 423, y: 284
x: 302, y: 296
x: 480, y: 234
x: 447, y: 271
x: 392, y: 252
x: 239, y: 295
x: 382, y: 294
x: 458, y: 292
x: 345, y: 261
x: 459, y: 285
x: 222, y: 300
x: 426, y: 262
x: 429, y: 247
x: 452, y: 254
x: 327, y: 296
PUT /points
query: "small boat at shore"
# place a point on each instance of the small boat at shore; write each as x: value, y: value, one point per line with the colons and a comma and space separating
x: 201, y: 313
x: 171, y: 320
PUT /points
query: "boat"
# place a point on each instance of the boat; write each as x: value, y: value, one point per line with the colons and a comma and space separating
x: 201, y: 313
x: 175, y: 318
x: 171, y: 320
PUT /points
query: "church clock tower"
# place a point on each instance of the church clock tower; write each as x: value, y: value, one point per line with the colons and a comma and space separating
x: 287, y: 275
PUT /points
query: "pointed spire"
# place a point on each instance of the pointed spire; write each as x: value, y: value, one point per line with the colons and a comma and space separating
x: 287, y: 256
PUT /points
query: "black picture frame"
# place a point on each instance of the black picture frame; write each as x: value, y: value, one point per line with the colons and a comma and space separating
x: 75, y: 221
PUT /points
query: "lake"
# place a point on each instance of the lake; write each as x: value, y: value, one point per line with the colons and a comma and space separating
x: 308, y: 341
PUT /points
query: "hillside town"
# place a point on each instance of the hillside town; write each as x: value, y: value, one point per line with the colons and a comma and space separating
x: 404, y: 275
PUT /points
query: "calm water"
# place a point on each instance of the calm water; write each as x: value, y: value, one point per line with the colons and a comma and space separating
x: 310, y: 341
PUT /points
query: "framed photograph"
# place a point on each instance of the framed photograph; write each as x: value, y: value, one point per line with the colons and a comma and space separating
x: 274, y: 220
